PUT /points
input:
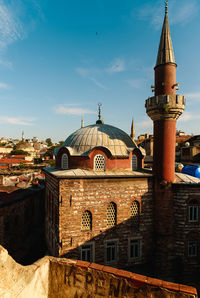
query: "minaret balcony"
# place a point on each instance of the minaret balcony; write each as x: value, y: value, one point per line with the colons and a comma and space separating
x: 165, y: 106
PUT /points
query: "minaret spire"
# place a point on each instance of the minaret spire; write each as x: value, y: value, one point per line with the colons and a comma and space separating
x: 82, y: 123
x: 132, y: 131
x: 165, y: 51
x: 23, y: 139
x: 166, y: 7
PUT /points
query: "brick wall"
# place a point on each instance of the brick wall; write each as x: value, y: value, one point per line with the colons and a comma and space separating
x: 94, y: 195
x: 187, y: 267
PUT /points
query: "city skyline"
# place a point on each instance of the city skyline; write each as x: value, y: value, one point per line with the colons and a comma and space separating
x: 57, y: 62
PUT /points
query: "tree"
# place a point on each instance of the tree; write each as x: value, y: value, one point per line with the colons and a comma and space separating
x: 49, y: 142
x: 61, y: 142
x: 19, y: 152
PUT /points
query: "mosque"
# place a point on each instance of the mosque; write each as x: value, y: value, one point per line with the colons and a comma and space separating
x: 103, y: 207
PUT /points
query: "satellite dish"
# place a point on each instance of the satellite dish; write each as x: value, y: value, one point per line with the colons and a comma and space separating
x: 187, y: 144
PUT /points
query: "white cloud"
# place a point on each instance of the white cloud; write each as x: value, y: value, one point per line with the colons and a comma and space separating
x: 98, y: 83
x: 187, y: 116
x: 83, y: 72
x: 11, y: 28
x: 6, y: 63
x: 16, y: 121
x: 89, y: 74
x: 195, y: 95
x: 136, y: 83
x: 117, y: 66
x: 145, y: 123
x: 184, y: 12
x: 4, y: 86
x: 66, y: 110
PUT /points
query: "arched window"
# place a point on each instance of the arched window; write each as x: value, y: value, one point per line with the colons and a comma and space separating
x: 64, y: 161
x: 134, y: 162
x: 86, y: 221
x: 111, y: 215
x: 99, y: 162
x: 193, y: 211
x: 135, y: 213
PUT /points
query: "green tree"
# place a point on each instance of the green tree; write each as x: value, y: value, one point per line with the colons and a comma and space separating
x: 49, y: 142
x: 61, y: 142
x: 19, y: 152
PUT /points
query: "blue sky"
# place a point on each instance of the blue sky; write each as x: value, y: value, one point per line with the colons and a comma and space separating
x: 59, y: 59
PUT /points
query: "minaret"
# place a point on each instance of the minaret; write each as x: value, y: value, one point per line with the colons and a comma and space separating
x: 82, y: 123
x: 165, y: 107
x: 132, y: 131
x: 23, y: 139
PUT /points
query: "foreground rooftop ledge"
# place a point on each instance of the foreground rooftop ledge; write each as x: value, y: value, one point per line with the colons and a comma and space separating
x: 81, y: 173
x: 137, y: 279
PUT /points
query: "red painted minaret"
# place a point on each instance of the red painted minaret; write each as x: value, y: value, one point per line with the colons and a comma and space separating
x: 165, y: 107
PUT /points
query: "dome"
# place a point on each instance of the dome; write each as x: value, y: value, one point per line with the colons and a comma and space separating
x: 99, y: 135
x: 24, y: 146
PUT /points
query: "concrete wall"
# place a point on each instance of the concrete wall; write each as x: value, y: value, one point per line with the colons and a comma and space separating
x: 51, y: 277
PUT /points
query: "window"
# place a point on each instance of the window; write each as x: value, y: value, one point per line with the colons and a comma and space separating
x: 111, y: 215
x: 111, y: 251
x: 134, y: 163
x: 193, y: 210
x: 87, y: 252
x: 135, y: 248
x: 192, y: 248
x: 86, y: 221
x: 99, y: 162
x: 64, y: 161
x: 135, y: 213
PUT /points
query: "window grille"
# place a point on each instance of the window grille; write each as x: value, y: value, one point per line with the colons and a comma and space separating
x: 192, y: 248
x: 99, y: 162
x: 64, y: 161
x: 111, y: 251
x: 87, y: 253
x: 135, y: 248
x: 135, y: 213
x: 111, y: 215
x: 193, y: 211
x: 86, y: 221
x: 134, y: 163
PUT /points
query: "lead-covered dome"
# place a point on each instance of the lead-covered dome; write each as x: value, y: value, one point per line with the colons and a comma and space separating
x: 99, y: 135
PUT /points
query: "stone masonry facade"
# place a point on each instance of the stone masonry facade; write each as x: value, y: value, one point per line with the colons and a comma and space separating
x: 65, y: 236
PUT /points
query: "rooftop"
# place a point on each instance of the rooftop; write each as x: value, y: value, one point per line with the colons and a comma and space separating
x: 80, y: 173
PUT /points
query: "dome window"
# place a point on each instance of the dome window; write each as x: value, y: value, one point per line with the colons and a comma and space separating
x: 99, y: 162
x: 134, y: 163
x: 64, y: 161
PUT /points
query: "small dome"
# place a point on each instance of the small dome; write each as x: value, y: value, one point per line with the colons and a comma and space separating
x: 99, y: 135
x: 24, y: 146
